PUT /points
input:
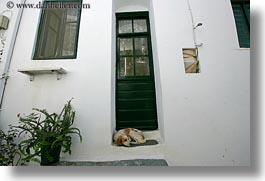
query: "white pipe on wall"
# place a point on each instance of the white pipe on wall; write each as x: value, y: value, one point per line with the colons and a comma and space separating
x: 10, y: 53
x: 196, y: 45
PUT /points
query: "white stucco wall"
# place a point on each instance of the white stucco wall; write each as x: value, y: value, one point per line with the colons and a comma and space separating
x: 203, y: 118
x: 207, y: 115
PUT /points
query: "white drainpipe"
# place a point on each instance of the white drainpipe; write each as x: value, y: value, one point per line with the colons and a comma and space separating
x: 4, y: 77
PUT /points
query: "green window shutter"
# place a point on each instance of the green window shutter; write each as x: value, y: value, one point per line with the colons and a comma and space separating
x: 247, y: 11
x: 242, y: 18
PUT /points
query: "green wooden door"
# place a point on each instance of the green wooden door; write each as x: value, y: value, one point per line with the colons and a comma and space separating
x: 135, y: 87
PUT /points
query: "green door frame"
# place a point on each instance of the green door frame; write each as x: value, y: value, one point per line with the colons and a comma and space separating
x: 147, y: 80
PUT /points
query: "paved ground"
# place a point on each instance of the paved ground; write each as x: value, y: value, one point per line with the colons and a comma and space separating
x: 138, y: 162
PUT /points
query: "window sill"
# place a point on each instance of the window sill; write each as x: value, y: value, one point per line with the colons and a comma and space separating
x: 54, y: 58
x: 40, y: 71
x: 241, y: 49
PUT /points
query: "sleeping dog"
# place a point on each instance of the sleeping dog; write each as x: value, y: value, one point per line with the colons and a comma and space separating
x: 128, y: 136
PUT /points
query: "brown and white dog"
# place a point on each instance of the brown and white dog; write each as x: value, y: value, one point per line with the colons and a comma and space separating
x: 128, y: 136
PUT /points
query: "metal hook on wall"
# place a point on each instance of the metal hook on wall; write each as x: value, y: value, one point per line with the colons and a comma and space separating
x: 5, y: 19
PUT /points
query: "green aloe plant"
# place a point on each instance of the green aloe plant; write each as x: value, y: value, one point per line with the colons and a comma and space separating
x: 45, y: 134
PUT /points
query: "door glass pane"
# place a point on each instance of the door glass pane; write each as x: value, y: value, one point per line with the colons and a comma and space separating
x: 69, y: 39
x: 126, y: 67
x: 139, y: 25
x: 142, y: 66
x: 125, y: 26
x: 126, y: 46
x: 141, y: 47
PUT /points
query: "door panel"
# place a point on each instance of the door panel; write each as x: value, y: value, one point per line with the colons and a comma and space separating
x: 135, y: 104
x: 134, y: 85
x: 136, y: 94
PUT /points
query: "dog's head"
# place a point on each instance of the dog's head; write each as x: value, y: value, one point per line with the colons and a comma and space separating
x: 123, y: 140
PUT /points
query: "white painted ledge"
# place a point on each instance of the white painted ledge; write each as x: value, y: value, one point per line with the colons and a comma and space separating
x: 40, y: 71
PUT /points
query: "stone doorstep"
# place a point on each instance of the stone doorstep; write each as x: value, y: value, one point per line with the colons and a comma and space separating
x: 147, y: 143
x: 137, y: 162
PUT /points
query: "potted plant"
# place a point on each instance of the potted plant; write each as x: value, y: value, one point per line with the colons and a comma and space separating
x: 47, y: 136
